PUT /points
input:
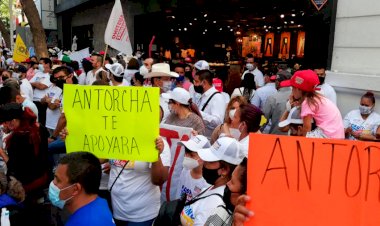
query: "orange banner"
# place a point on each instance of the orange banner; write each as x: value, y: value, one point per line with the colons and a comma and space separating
x: 284, y: 45
x: 301, y: 44
x: 269, y: 42
x: 297, y: 181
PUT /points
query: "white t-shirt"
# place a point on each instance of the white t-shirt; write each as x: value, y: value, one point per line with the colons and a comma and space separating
x: 28, y: 103
x: 259, y: 77
x: 243, y: 145
x: 91, y: 76
x: 26, y: 89
x: 82, y: 78
x: 190, y: 186
x: 52, y: 116
x: 354, y: 120
x: 197, y: 213
x: 134, y: 197
x: 129, y: 74
x: 164, y: 104
x: 328, y: 91
x: 43, y: 78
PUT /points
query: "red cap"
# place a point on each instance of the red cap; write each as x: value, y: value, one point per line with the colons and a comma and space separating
x: 273, y: 77
x: 306, y: 80
x: 101, y: 52
x: 27, y: 60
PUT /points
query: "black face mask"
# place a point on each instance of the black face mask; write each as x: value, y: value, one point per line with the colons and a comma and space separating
x: 4, y: 78
x: 210, y: 175
x: 198, y: 89
x: 321, y: 80
x: 227, y: 199
x: 60, y: 82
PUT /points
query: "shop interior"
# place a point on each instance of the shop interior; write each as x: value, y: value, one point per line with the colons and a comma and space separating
x: 223, y: 32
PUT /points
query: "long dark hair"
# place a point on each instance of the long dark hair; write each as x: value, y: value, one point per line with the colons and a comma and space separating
x: 193, y: 108
x: 313, y: 99
x: 249, y: 85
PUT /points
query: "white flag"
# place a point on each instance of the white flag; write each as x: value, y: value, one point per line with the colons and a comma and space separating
x: 116, y: 34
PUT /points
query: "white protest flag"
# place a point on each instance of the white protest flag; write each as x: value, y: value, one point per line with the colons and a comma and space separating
x: 116, y: 34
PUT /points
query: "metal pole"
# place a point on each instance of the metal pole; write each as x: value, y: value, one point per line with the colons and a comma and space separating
x: 11, y: 23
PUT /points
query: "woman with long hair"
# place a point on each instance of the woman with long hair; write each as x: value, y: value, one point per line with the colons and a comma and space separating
x: 247, y: 88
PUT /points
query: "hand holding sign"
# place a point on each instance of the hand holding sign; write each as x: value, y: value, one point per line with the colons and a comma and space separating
x: 112, y: 122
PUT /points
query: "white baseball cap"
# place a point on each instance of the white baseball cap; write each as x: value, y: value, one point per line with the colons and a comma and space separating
x: 225, y: 148
x: 116, y: 69
x: 160, y: 70
x: 202, y: 65
x: 196, y: 143
x: 294, y: 117
x: 179, y: 95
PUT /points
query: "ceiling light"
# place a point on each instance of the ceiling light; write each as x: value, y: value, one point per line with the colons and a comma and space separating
x: 238, y: 25
x: 179, y: 29
x: 299, y: 25
x: 293, y: 15
x: 285, y: 22
x: 204, y: 33
x: 263, y: 17
x: 278, y: 28
x: 220, y: 29
x: 185, y: 29
x: 292, y: 22
x: 282, y: 15
x: 172, y: 29
x: 173, y: 17
x: 265, y: 26
x: 195, y: 18
x: 205, y: 30
x: 214, y: 21
x: 231, y: 29
x: 205, y: 15
x: 266, y: 30
x: 190, y: 24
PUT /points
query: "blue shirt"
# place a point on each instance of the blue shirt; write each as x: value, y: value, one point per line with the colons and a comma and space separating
x: 95, y: 213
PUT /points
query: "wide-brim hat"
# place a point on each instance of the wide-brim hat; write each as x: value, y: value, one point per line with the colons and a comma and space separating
x: 161, y: 70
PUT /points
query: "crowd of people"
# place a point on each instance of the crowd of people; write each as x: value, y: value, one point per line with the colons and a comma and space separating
x: 212, y: 179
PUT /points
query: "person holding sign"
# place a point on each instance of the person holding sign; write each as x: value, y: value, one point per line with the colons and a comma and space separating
x: 359, y: 123
x: 134, y: 187
x: 116, y: 75
x: 220, y: 160
x: 313, y: 105
x: 183, y: 112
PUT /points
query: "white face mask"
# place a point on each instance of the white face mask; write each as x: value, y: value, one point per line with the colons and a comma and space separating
x: 235, y: 133
x: 166, y: 86
x: 189, y: 163
x: 144, y: 70
x: 232, y: 114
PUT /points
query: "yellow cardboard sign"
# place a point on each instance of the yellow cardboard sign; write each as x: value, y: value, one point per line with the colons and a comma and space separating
x: 20, y: 52
x: 112, y: 122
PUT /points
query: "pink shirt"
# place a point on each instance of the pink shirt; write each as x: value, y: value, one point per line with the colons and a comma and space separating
x: 327, y: 117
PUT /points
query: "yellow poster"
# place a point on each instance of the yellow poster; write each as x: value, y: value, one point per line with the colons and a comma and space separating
x: 112, y: 122
x: 20, y: 52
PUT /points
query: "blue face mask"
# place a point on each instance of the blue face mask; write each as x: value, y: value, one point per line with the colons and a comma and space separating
x: 41, y: 67
x: 54, y: 192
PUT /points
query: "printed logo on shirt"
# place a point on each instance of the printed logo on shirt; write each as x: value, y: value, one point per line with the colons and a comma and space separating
x: 187, y: 216
x: 121, y: 163
x: 360, y: 129
x: 186, y: 191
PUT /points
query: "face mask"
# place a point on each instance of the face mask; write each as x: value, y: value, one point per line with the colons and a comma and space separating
x: 143, y: 70
x: 227, y: 199
x: 54, y: 192
x: 60, y: 83
x: 198, y: 89
x: 321, y: 80
x: 210, y: 175
x: 41, y: 67
x: 172, y: 111
x: 189, y: 163
x: 232, y: 113
x: 4, y: 78
x: 249, y: 66
x: 166, y: 86
x: 364, y: 110
x: 235, y: 133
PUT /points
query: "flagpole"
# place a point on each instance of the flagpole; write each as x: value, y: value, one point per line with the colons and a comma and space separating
x: 105, y: 54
